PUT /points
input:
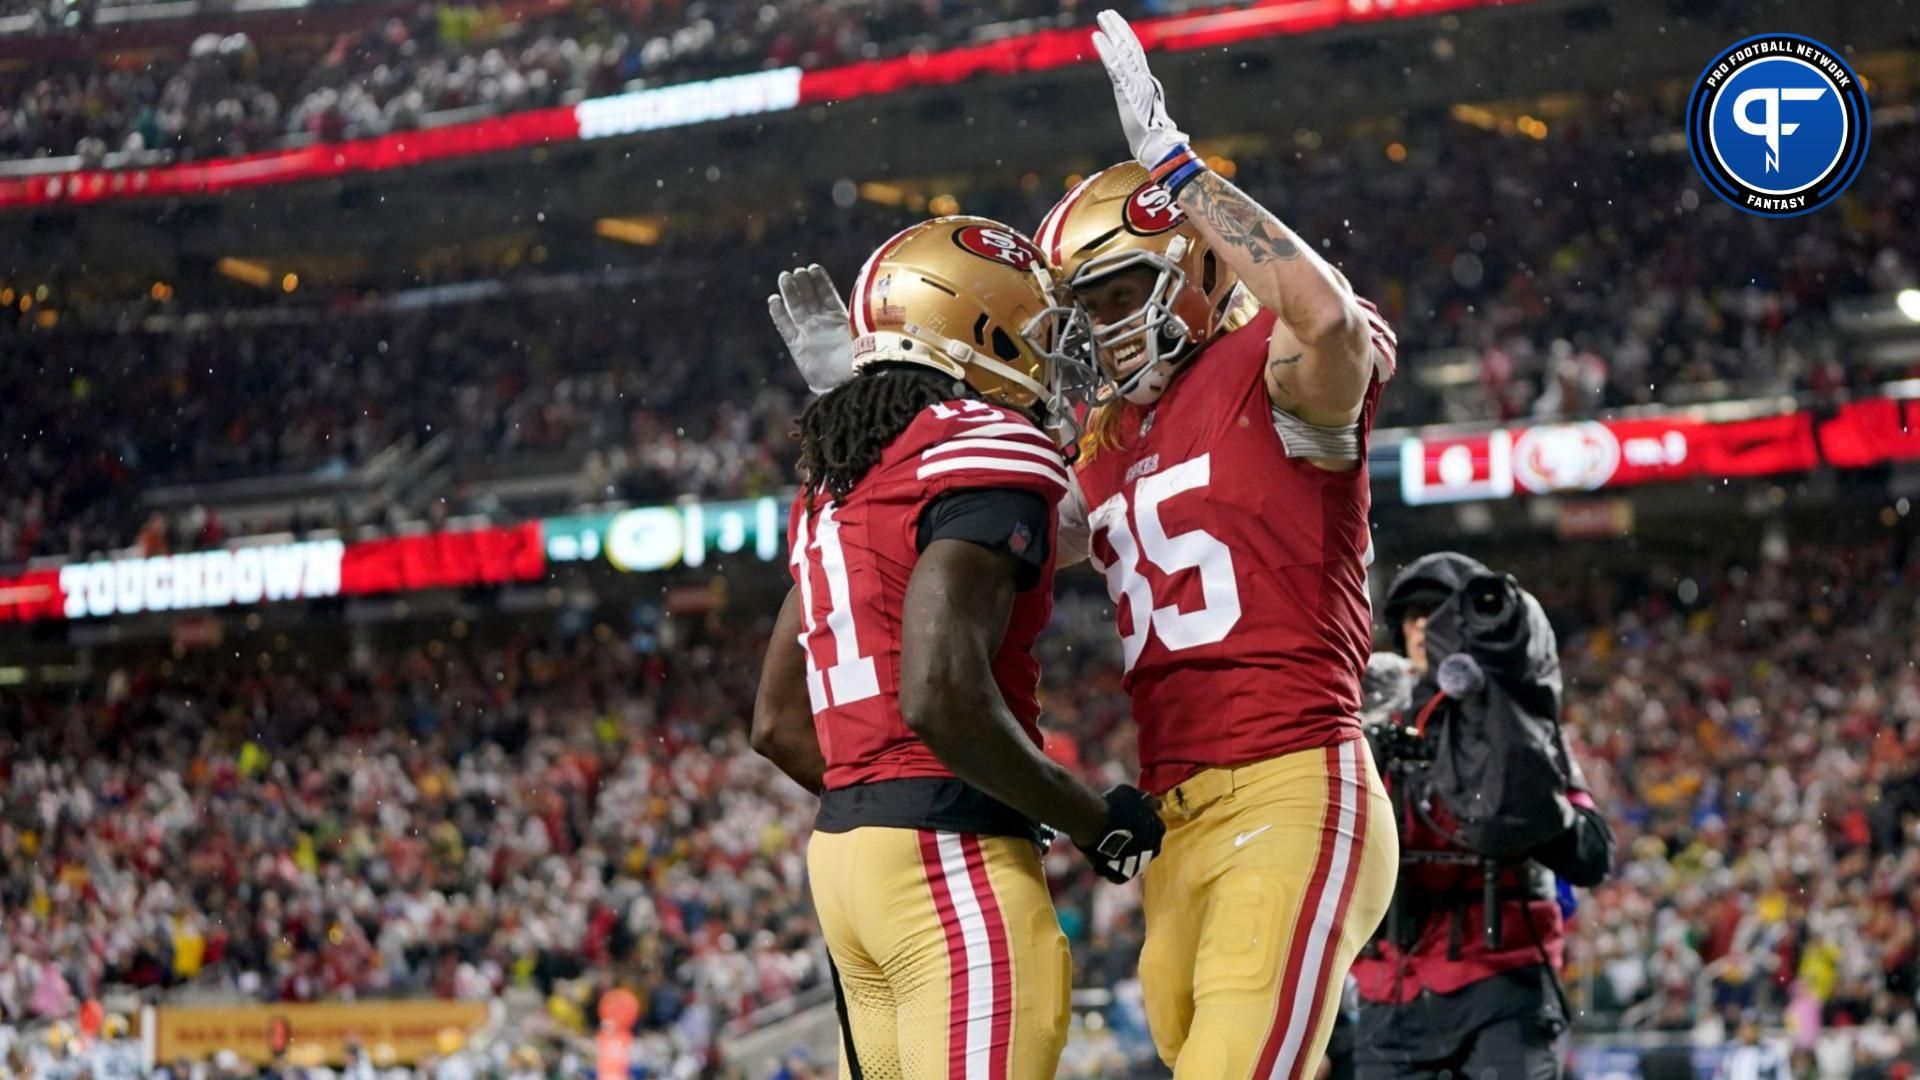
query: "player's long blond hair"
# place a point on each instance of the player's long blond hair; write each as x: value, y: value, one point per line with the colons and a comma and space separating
x: 1103, y: 430
x: 1103, y: 422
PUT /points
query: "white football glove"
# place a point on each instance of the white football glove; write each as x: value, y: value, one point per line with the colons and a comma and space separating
x: 812, y: 320
x: 1143, y: 104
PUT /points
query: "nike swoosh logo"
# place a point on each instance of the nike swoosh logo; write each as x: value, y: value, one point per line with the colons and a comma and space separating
x: 1242, y: 838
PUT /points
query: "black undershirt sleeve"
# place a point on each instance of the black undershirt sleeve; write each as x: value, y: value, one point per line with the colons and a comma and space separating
x: 998, y: 519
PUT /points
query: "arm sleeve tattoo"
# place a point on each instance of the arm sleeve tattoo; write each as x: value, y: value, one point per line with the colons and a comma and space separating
x: 1239, y: 220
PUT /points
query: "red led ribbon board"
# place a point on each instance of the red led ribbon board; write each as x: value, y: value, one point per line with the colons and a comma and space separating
x: 493, y: 134
x: 1870, y: 433
x: 271, y: 573
x: 445, y: 560
x: 1595, y: 455
x: 1045, y: 50
x: 32, y: 597
x: 678, y: 105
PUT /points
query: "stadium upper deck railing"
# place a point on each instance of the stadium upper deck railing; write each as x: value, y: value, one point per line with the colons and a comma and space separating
x: 64, y: 182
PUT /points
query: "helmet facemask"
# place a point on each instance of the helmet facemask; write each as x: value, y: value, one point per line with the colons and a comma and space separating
x: 1120, y: 220
x: 1075, y: 376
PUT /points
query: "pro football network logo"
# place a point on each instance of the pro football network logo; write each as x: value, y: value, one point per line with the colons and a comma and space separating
x: 1778, y: 125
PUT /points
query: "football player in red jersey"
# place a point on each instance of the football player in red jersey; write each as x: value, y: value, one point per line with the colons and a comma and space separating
x: 1223, y: 491
x: 1225, y: 495
x: 900, y: 681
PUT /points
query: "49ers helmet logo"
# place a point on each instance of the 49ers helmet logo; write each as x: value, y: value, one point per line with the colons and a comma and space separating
x: 1150, y: 210
x: 1000, y: 245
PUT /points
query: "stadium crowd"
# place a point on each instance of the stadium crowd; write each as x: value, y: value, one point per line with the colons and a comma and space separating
x: 447, y: 821
x: 577, y: 810
x: 230, y: 94
x: 1483, y: 246
x: 109, y: 414
x: 1754, y: 733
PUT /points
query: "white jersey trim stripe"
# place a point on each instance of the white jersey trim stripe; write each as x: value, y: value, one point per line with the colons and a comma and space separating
x: 989, y: 465
x: 1325, y: 928
x: 995, y: 431
x: 1044, y: 453
x: 979, y: 970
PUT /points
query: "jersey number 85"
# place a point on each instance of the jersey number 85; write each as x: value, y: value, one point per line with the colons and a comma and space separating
x: 1139, y: 536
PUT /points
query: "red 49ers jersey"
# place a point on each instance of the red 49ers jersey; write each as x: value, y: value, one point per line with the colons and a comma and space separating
x: 1238, y: 574
x: 851, y: 562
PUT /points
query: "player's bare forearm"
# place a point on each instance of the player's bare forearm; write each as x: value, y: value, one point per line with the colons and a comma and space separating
x: 955, y: 616
x: 1323, y: 367
x: 783, y: 731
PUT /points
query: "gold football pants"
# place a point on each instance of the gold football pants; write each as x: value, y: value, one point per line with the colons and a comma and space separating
x: 951, y: 964
x: 1273, y: 876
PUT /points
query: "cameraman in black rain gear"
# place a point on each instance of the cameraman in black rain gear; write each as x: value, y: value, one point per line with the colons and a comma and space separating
x: 1464, y: 720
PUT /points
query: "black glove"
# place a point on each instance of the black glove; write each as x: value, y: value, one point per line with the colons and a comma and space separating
x: 1133, y: 837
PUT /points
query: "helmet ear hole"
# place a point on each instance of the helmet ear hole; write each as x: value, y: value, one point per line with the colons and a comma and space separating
x: 1209, y: 272
x: 1004, y: 346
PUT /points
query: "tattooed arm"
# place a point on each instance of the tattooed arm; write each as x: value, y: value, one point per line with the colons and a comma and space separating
x: 1320, y: 359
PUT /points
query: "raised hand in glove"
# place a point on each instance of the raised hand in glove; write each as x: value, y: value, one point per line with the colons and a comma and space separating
x: 1133, y: 836
x: 1151, y: 135
x: 812, y: 320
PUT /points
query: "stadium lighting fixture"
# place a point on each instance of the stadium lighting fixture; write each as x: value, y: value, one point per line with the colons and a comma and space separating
x: 246, y: 272
x: 885, y: 194
x: 640, y: 231
x: 1909, y: 302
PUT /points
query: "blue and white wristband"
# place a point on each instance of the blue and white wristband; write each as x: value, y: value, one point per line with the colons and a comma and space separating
x: 1178, y: 169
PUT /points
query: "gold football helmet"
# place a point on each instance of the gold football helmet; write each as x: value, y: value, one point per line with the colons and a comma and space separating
x: 970, y: 297
x: 1118, y: 219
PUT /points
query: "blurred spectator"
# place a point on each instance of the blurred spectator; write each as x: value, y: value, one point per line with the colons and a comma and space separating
x: 566, y: 814
x: 646, y: 392
x: 447, y: 823
x: 229, y: 95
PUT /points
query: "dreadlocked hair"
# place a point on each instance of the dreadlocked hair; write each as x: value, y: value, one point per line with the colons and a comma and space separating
x: 843, y: 433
